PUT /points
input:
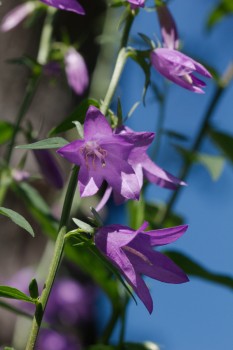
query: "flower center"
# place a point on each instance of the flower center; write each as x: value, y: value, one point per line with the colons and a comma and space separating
x: 92, y: 152
x: 138, y: 254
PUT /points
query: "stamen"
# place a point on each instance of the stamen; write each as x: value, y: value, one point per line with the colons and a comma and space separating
x: 91, y: 150
x: 187, y: 78
x: 138, y: 254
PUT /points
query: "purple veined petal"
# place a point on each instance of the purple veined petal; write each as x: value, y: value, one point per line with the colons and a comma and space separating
x: 156, y: 265
x: 76, y: 71
x: 89, y: 181
x: 201, y: 69
x: 67, y: 5
x: 139, y: 173
x: 104, y: 199
x: 17, y: 15
x: 96, y: 124
x: 166, y: 235
x: 130, y: 187
x: 157, y: 175
x: 142, y: 227
x: 143, y: 293
x: 197, y: 82
x: 72, y: 152
x: 168, y: 28
x: 138, y: 139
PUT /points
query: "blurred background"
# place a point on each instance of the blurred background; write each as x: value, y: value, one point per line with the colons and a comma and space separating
x: 197, y: 315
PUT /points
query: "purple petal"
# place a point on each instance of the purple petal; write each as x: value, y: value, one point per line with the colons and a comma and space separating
x: 136, y: 3
x: 49, y: 168
x: 16, y: 16
x: 202, y: 70
x: 157, y: 175
x: 67, y: 5
x: 166, y: 235
x: 96, y: 125
x: 144, y: 294
x: 72, y: 152
x: 168, y: 28
x: 104, y: 199
x: 89, y: 181
x: 76, y: 71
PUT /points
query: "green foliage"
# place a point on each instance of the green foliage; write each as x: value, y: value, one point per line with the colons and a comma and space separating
x: 77, y: 115
x: 224, y: 142
x: 53, y: 142
x: 192, y: 267
x: 17, y: 219
x: 6, y: 131
x: 13, y: 293
x: 33, y: 289
x: 126, y: 346
x: 223, y: 9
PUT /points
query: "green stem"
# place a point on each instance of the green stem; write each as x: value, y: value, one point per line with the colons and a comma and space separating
x: 55, y: 262
x: 197, y: 143
x: 120, y: 63
x: 46, y: 36
x: 28, y: 97
x: 110, y: 326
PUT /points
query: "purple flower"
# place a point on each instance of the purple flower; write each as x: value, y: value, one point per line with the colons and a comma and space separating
x: 49, y: 168
x: 17, y: 15
x: 76, y: 71
x: 168, y: 28
x: 104, y: 155
x: 179, y: 68
x: 20, y: 175
x: 136, y: 3
x: 67, y: 5
x: 130, y: 251
x: 51, y: 340
x: 71, y: 303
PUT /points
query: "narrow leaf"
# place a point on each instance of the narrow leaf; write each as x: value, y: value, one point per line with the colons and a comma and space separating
x: 17, y: 219
x: 6, y: 131
x: 15, y: 310
x: 33, y: 289
x: 224, y: 142
x: 13, y: 293
x: 83, y: 225
x: 53, y: 142
x: 192, y: 267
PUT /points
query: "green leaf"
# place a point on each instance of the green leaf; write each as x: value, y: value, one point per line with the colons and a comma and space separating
x: 33, y: 289
x: 13, y: 293
x: 101, y: 347
x: 223, y: 9
x: 224, y: 141
x: 6, y: 131
x: 53, y: 142
x: 83, y: 225
x: 214, y: 164
x: 17, y: 219
x: 78, y: 114
x: 194, y: 268
x: 79, y: 128
x: 7, y: 348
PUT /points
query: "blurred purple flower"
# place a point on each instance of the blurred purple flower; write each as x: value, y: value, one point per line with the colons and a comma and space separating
x: 70, y: 303
x: 20, y: 175
x: 168, y: 28
x: 131, y: 252
x: 136, y: 3
x: 67, y: 5
x: 76, y: 71
x: 17, y: 15
x: 103, y: 155
x: 179, y: 68
x: 51, y: 340
x: 49, y: 168
x: 52, y: 68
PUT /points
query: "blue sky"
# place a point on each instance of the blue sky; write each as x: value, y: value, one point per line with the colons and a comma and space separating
x: 197, y: 315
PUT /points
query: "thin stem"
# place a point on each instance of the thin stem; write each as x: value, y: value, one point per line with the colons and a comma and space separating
x: 46, y: 36
x: 55, y: 262
x: 27, y: 100
x: 197, y: 143
x: 127, y: 28
x: 120, y: 63
x: 110, y: 326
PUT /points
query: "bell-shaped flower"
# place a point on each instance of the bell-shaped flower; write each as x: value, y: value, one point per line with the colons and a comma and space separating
x: 17, y: 15
x: 168, y: 27
x: 49, y: 168
x: 76, y: 71
x: 179, y: 68
x: 67, y: 5
x: 104, y: 155
x: 131, y: 252
x: 136, y: 3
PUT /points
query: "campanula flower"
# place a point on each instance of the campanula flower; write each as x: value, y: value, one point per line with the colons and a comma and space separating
x: 179, y: 68
x: 67, y: 5
x: 136, y: 3
x: 131, y: 252
x: 168, y: 28
x: 76, y: 71
x: 104, y: 155
x: 49, y: 168
x: 17, y: 15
